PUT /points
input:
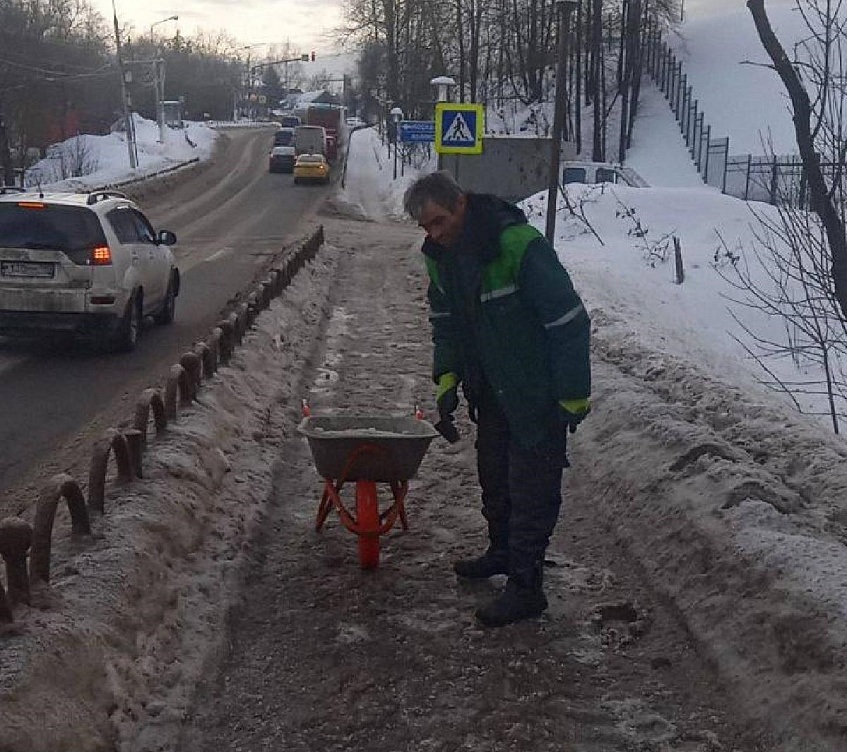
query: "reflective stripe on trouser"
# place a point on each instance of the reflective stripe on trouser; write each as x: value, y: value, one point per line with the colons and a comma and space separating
x: 521, y: 488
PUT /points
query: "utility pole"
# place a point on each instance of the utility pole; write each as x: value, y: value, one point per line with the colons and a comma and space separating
x: 563, y: 10
x: 249, y: 87
x: 159, y: 80
x: 160, y: 97
x: 128, y: 124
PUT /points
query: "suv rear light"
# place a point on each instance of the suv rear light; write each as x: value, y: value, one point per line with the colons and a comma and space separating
x: 102, y: 299
x: 101, y: 256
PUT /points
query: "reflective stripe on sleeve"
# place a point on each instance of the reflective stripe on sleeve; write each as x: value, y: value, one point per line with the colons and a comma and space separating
x: 500, y: 293
x: 568, y: 317
x: 439, y: 315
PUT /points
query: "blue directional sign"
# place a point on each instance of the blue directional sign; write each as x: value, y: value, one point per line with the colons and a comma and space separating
x: 458, y: 128
x: 417, y: 131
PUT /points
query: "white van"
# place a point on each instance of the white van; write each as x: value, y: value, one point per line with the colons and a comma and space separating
x: 310, y: 139
x: 601, y: 172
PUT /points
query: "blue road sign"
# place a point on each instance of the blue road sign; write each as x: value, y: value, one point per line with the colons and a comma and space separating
x: 458, y: 128
x: 417, y: 131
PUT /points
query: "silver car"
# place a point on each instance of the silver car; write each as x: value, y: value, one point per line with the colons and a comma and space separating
x: 85, y: 264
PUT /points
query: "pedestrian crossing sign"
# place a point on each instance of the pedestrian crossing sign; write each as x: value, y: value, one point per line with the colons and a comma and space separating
x: 458, y: 128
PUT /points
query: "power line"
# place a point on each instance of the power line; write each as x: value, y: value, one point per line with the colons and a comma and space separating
x: 56, y: 73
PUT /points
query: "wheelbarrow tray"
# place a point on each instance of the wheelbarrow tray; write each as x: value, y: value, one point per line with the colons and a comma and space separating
x: 396, y: 446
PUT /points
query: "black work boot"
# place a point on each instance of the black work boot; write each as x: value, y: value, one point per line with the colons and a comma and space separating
x: 522, y: 599
x: 516, y: 603
x: 493, y: 561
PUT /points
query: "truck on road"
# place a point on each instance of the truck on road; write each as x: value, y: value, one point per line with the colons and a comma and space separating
x: 332, y: 119
x: 310, y: 139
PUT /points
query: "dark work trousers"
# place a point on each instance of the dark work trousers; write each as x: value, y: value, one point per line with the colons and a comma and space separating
x: 521, y: 489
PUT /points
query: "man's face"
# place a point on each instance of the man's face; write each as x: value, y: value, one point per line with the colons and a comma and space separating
x: 442, y: 225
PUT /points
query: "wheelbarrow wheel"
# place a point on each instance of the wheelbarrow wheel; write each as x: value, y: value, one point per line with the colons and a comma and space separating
x: 367, y: 513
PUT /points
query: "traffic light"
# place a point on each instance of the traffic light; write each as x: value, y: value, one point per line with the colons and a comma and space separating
x: 313, y: 56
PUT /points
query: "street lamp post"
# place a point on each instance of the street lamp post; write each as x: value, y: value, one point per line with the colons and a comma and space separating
x: 159, y: 69
x: 397, y: 116
x: 442, y: 84
x: 164, y: 20
x: 564, y: 9
x: 128, y: 124
x: 250, y: 68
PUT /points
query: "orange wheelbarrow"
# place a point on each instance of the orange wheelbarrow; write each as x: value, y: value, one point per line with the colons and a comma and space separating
x: 366, y: 450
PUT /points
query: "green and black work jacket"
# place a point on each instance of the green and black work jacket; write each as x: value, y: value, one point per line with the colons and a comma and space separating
x: 503, y: 309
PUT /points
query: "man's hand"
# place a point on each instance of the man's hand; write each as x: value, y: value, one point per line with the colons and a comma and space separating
x: 447, y: 399
x: 574, y: 412
x: 447, y: 394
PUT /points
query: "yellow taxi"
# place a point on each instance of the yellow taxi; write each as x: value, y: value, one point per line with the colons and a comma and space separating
x: 311, y: 167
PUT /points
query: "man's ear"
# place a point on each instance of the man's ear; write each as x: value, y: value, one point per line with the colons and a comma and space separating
x: 461, y: 204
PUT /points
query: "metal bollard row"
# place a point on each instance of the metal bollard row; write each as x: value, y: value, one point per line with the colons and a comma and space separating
x: 15, y: 542
x: 113, y: 442
x: 20, y: 541
x: 60, y: 487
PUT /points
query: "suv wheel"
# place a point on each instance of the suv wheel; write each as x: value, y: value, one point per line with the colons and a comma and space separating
x: 168, y: 310
x: 130, y: 328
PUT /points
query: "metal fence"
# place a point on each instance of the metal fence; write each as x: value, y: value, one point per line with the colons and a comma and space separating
x: 772, y: 179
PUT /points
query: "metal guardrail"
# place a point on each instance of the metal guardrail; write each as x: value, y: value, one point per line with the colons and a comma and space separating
x: 21, y: 541
x: 149, y: 175
x: 241, y: 124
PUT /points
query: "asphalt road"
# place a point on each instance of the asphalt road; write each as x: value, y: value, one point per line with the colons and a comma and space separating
x: 230, y: 219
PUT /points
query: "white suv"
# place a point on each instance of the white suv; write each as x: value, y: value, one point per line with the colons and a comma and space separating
x: 88, y: 264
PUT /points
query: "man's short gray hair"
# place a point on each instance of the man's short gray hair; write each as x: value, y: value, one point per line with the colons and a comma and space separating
x: 439, y: 187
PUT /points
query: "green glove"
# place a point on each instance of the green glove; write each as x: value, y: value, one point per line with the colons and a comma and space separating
x: 575, y: 411
x: 447, y: 394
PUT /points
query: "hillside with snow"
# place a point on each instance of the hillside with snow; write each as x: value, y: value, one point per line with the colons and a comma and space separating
x: 726, y: 64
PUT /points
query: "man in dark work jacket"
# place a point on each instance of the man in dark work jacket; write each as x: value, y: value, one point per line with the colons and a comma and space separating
x: 509, y: 327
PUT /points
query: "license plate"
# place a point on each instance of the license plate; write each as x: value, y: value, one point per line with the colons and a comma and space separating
x: 26, y: 269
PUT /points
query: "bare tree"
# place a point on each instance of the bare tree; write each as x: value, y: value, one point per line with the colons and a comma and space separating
x: 786, y: 276
x: 818, y: 119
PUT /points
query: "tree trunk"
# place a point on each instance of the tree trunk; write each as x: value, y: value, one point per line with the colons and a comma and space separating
x: 578, y: 98
x: 392, y: 79
x: 5, y: 155
x: 589, y: 51
x: 522, y: 53
x: 624, y: 77
x: 622, y: 46
x: 821, y: 201
x: 597, y: 78
x: 460, y: 33
x: 638, y: 71
x: 476, y: 7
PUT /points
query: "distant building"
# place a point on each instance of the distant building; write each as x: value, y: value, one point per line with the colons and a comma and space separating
x: 316, y: 97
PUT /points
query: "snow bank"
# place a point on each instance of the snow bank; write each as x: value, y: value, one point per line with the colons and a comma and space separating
x: 370, y: 188
x: 736, y: 511
x: 85, y: 162
x: 631, y: 274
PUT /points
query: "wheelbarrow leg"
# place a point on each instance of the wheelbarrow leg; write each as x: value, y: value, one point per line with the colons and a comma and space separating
x: 399, y: 490
x: 367, y: 516
x: 325, y: 505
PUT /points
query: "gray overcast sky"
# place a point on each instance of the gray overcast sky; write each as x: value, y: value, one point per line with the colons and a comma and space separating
x: 302, y: 22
